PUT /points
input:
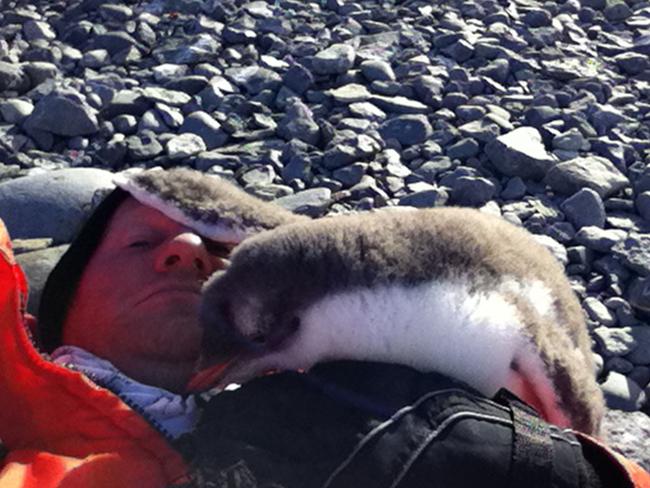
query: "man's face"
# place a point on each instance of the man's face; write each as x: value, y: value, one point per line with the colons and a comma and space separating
x: 138, y: 299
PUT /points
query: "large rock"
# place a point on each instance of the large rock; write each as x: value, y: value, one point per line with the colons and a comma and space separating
x: 51, y: 204
x: 520, y: 153
x: 629, y: 434
x: 407, y: 129
x: 63, y: 116
x: 37, y: 266
x: 336, y: 59
x: 593, y: 172
x: 621, y: 393
x: 13, y: 78
x: 254, y: 79
x: 313, y: 202
x: 585, y: 208
x: 298, y: 123
x: 204, y: 125
x: 634, y: 251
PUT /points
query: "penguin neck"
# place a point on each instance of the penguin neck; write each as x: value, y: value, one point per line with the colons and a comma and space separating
x: 435, y: 326
x: 443, y: 326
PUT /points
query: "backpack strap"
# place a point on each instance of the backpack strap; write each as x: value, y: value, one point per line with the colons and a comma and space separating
x: 532, y: 451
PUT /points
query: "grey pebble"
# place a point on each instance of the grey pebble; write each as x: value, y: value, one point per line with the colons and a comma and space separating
x: 312, y: 202
x: 520, y: 153
x: 621, y: 393
x: 584, y: 208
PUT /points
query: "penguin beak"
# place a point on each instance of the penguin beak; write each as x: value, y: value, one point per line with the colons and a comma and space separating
x: 210, y: 377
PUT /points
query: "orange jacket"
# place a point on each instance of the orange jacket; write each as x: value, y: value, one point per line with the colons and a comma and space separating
x: 60, y: 430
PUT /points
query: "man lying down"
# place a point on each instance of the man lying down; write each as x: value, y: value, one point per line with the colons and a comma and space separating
x: 385, y: 349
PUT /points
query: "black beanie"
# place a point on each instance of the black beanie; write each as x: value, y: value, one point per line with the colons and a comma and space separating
x: 61, y: 284
x: 214, y: 208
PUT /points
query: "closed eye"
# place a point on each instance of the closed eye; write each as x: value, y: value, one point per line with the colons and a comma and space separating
x: 138, y: 244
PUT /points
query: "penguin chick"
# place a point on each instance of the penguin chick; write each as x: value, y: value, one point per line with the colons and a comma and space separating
x: 448, y: 290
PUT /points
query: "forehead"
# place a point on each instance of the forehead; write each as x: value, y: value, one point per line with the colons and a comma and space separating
x: 132, y: 214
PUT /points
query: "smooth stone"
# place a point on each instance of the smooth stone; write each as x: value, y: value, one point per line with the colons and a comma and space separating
x: 472, y: 191
x: 204, y: 125
x: 641, y: 376
x: 520, y: 153
x: 298, y: 79
x: 184, y: 146
x: 642, y: 202
x: 349, y: 148
x: 632, y: 63
x: 463, y: 149
x: 571, y: 140
x: 143, y: 146
x: 377, y: 69
x: 350, y: 175
x: 41, y: 71
x: 350, y: 93
x: 51, y: 204
x: 14, y: 111
x: 434, y: 197
x: 639, y: 294
x: 584, y: 208
x: 163, y: 95
x: 13, y: 78
x: 634, y: 252
x: 622, y: 393
x: 336, y: 59
x: 367, y: 189
x: 169, y: 71
x: 641, y: 354
x: 171, y: 116
x: 114, y: 42
x: 593, y: 172
x: 615, y: 341
x: 312, y: 202
x: 619, y: 365
x: 483, y: 130
x: 95, y: 58
x: 269, y: 192
x: 37, y: 29
x: 514, y: 189
x: 254, y: 79
x: 407, y: 129
x: 37, y: 266
x: 125, y: 124
x: 617, y: 11
x: 556, y: 249
x: 399, y: 105
x: 62, y: 116
x: 299, y: 123
x: 258, y: 176
x: 367, y: 111
x: 152, y: 120
x: 599, y: 312
x: 598, y: 239
x: 126, y: 102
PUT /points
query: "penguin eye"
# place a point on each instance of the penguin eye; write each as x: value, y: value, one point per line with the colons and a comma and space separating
x: 220, y: 249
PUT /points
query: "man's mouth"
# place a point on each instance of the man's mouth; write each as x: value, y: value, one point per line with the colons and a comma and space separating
x: 173, y: 289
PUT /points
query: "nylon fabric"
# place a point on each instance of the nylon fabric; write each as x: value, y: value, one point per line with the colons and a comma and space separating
x: 60, y: 429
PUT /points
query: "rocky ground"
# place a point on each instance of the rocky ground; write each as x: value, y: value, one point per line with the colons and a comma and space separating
x: 534, y: 110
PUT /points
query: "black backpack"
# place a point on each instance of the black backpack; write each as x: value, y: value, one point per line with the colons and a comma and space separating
x: 369, y: 425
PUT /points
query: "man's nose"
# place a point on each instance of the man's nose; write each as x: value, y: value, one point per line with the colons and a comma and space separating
x: 184, y: 252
